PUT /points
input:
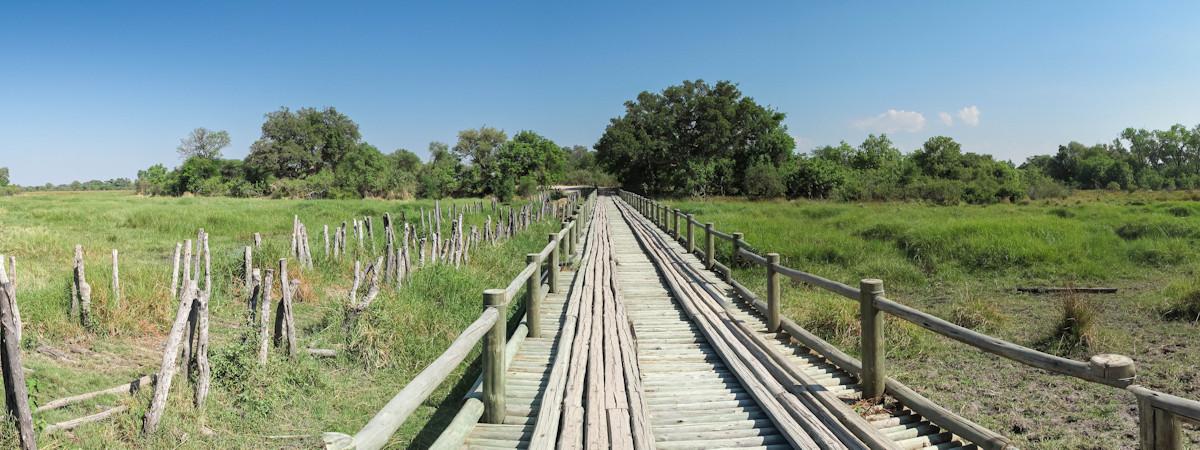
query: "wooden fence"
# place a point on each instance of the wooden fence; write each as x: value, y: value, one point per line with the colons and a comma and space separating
x: 492, y: 328
x: 1160, y: 414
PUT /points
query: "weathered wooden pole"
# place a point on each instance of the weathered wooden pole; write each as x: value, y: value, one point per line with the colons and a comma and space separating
x: 709, y: 246
x: 675, y: 220
x: 175, y: 271
x: 567, y: 250
x: 533, y: 305
x: 873, y: 374
x: 248, y: 268
x: 552, y: 268
x: 1158, y: 429
x: 691, y: 241
x: 773, y: 320
x: 116, y: 280
x: 8, y: 282
x: 16, y: 391
x: 493, y: 359
x: 264, y: 315
x: 257, y: 240
x: 83, y: 289
x: 738, y: 237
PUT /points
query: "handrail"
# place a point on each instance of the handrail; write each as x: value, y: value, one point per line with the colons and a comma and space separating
x: 491, y: 324
x: 1160, y: 412
x: 381, y: 427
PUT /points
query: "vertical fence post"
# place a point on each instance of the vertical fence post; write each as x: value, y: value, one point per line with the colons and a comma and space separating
x: 566, y: 243
x: 733, y: 257
x: 773, y: 292
x: 691, y: 242
x: 552, y: 268
x: 872, y: 339
x: 1158, y: 429
x: 709, y: 248
x: 533, y: 304
x: 493, y: 359
x: 675, y: 225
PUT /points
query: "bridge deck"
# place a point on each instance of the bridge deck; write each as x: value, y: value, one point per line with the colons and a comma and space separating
x: 694, y: 400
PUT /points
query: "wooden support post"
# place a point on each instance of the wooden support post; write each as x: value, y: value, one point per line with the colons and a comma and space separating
x: 116, y: 280
x: 493, y: 359
x: 733, y: 257
x: 552, y: 268
x: 691, y: 241
x: 533, y: 304
x: 15, y: 389
x: 567, y: 249
x: 175, y: 271
x: 873, y: 375
x: 709, y: 247
x: 248, y: 269
x: 675, y: 223
x: 1158, y: 429
x: 773, y: 320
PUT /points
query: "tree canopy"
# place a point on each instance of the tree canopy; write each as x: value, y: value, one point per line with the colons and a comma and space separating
x: 692, y: 139
x: 203, y: 143
x: 302, y: 143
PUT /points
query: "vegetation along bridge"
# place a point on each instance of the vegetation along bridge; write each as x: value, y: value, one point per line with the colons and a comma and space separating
x: 636, y: 336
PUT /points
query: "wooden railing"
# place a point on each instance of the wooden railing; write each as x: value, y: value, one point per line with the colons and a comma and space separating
x: 1160, y: 414
x: 491, y: 328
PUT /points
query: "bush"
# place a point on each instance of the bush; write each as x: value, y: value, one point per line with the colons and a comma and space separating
x: 1043, y: 187
x: 764, y: 181
x: 939, y: 191
x: 814, y: 178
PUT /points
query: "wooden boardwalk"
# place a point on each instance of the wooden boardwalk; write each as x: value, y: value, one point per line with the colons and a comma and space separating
x: 693, y: 398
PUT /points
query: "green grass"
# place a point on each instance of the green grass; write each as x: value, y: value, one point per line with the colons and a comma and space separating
x: 249, y: 407
x: 962, y: 263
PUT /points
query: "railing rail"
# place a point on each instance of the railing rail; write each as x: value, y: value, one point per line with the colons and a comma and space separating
x: 491, y: 328
x: 1160, y: 414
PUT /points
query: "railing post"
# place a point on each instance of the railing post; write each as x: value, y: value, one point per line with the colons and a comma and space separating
x: 872, y: 379
x: 1158, y: 429
x: 691, y: 242
x: 552, y: 277
x: 709, y: 248
x: 773, y: 321
x: 675, y: 216
x: 533, y: 304
x: 493, y: 359
x: 566, y: 241
x: 733, y: 257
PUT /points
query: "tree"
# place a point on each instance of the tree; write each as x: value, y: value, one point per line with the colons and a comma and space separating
x: 939, y: 157
x: 203, y: 143
x: 440, y: 177
x: 527, y: 155
x: 4, y: 176
x: 692, y: 139
x: 302, y: 143
x: 362, y: 172
x: 153, y: 181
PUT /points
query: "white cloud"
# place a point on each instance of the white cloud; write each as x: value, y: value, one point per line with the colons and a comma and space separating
x: 893, y: 121
x: 969, y: 115
x: 947, y: 119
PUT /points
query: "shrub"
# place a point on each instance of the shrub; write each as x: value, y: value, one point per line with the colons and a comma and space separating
x: 814, y: 178
x: 939, y: 191
x: 764, y: 181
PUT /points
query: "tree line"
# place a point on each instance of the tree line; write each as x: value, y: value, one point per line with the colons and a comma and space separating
x: 311, y: 153
x: 698, y: 139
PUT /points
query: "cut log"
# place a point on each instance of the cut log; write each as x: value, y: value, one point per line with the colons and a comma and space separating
x: 126, y: 388
x: 1067, y: 290
x: 74, y: 423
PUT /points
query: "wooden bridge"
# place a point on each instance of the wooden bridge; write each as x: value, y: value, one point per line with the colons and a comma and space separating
x: 634, y: 335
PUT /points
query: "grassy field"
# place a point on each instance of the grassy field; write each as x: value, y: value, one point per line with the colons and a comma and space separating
x: 963, y: 263
x: 249, y: 407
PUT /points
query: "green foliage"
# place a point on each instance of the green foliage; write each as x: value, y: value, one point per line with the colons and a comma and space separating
x: 814, y: 178
x: 763, y: 180
x: 527, y: 155
x: 692, y: 139
x: 203, y: 143
x: 302, y: 143
x: 4, y: 180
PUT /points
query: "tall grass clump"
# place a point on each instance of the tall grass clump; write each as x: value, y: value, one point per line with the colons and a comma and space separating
x: 1076, y: 329
x: 1182, y: 302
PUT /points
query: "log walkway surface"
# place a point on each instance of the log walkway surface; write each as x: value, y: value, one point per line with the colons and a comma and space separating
x: 647, y: 348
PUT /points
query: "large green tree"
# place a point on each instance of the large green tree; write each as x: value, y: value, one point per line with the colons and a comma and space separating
x: 528, y: 159
x: 302, y: 143
x: 203, y: 143
x: 692, y: 139
x: 4, y: 176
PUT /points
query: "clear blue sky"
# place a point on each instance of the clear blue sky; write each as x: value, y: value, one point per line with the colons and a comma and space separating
x: 97, y: 90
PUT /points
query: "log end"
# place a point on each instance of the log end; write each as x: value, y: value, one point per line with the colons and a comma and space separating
x: 337, y: 441
x: 1114, y: 367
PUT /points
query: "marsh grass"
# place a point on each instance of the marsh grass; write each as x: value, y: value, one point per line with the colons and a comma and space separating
x: 398, y: 336
x: 962, y: 263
